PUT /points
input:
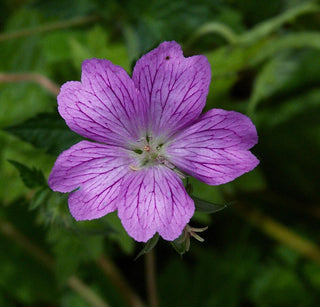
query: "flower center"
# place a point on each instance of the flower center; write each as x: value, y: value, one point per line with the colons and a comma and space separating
x: 149, y: 151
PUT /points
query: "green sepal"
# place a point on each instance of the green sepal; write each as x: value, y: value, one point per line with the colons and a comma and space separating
x: 207, y: 206
x: 181, y: 244
x: 149, y: 246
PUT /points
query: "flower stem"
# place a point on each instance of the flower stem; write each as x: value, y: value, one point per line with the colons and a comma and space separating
x: 150, y: 269
x: 73, y: 282
x: 281, y: 233
x: 48, y: 27
x: 119, y: 281
x: 31, y: 77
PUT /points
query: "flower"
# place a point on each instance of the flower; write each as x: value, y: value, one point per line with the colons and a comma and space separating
x: 148, y: 132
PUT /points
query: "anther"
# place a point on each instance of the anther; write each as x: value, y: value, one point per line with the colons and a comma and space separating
x: 134, y: 168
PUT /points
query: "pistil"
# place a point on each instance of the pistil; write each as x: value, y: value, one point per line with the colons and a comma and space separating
x: 148, y: 152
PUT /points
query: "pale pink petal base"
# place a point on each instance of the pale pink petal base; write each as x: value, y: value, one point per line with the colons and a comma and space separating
x: 154, y: 200
x: 94, y: 172
x: 215, y: 150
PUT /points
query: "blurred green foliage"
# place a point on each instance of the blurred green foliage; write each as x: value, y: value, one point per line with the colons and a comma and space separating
x: 265, y: 61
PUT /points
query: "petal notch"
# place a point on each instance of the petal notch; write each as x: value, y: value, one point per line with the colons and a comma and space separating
x: 215, y: 150
x: 174, y: 88
x: 105, y: 106
x: 94, y: 172
x: 154, y: 200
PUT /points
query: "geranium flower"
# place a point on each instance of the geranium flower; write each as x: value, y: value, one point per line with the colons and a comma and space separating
x: 149, y: 131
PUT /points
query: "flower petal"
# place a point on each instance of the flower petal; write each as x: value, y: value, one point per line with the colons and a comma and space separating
x: 105, y: 106
x: 154, y: 200
x: 215, y: 149
x: 175, y: 88
x: 96, y: 171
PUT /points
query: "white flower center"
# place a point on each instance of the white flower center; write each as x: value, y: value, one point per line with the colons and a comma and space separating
x: 149, y: 151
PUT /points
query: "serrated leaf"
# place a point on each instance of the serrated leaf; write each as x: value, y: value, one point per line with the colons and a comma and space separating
x: 149, y: 246
x: 47, y: 131
x: 206, y: 206
x: 31, y: 177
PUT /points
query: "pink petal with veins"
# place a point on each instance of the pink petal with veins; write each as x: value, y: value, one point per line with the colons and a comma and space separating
x: 215, y: 149
x: 94, y: 172
x: 154, y: 200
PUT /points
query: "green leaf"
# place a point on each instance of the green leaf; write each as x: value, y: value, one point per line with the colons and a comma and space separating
x: 291, y: 41
x: 275, y: 279
x: 31, y: 177
x: 55, y: 46
x: 267, y: 27
x: 226, y: 63
x: 120, y: 236
x: 39, y: 198
x: 71, y: 250
x: 287, y: 72
x: 277, y: 115
x: 149, y: 245
x: 214, y: 28
x: 95, y: 44
x: 23, y: 278
x: 259, y: 32
x: 289, y: 142
x: 272, y: 77
x: 46, y: 130
x: 206, y: 206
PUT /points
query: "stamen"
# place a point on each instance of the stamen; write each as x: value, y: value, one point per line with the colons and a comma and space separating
x: 134, y: 168
x: 193, y: 232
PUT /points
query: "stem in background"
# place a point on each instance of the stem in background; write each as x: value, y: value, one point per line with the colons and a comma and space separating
x: 119, y: 281
x: 10, y: 231
x: 83, y: 290
x: 280, y: 233
x: 150, y: 269
x: 73, y: 282
x: 31, y: 77
x: 48, y: 27
x: 214, y: 28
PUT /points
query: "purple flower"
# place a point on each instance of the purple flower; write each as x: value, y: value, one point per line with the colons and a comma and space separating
x: 149, y: 131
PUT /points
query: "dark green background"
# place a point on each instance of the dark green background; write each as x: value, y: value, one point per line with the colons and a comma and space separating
x: 263, y: 249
